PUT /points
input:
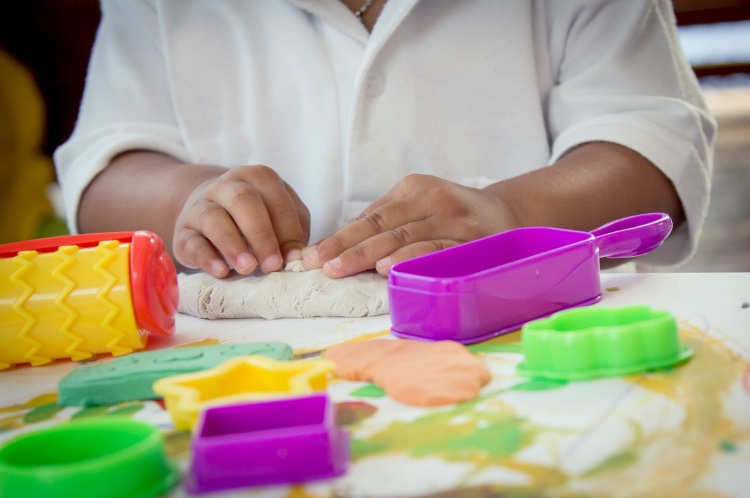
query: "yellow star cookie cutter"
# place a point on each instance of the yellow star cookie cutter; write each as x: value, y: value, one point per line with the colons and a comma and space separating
x: 239, y: 379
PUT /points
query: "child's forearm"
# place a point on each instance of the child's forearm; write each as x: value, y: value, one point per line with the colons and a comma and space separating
x: 593, y: 184
x: 141, y: 190
x: 209, y: 217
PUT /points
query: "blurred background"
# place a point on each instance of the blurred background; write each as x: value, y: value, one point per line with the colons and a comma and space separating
x: 44, y: 50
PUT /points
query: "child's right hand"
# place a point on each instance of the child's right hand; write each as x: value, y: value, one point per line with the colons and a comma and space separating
x: 246, y: 217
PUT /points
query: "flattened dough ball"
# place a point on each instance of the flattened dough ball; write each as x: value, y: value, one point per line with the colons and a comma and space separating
x: 293, y: 293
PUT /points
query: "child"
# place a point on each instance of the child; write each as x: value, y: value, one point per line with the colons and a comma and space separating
x: 240, y: 130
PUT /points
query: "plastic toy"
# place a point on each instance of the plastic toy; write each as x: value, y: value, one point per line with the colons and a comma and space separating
x: 80, y: 295
x: 288, y: 440
x: 104, y: 457
x: 585, y: 343
x: 239, y: 379
x: 131, y: 377
x: 487, y: 287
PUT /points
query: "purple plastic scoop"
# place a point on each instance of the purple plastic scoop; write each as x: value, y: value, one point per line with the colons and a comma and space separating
x: 633, y: 236
x: 487, y: 287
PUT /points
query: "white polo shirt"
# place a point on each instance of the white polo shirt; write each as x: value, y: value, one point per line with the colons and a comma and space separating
x: 474, y: 91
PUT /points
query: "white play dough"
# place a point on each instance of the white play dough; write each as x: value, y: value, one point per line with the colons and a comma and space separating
x: 292, y: 293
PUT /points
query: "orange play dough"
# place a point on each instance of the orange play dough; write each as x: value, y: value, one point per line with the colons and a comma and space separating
x: 413, y: 372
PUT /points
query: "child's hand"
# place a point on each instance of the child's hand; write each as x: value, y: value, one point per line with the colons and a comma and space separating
x: 245, y: 217
x: 419, y: 215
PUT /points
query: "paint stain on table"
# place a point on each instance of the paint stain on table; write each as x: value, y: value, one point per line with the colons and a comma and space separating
x: 669, y: 460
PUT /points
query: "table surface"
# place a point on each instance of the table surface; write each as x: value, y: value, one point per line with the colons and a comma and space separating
x: 680, y: 432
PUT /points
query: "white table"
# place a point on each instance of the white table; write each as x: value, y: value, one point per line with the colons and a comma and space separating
x: 676, y: 433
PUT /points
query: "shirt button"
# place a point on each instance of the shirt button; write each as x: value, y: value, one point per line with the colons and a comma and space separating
x: 374, y: 84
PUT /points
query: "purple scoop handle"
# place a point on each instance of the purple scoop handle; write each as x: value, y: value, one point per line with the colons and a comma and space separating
x: 632, y: 236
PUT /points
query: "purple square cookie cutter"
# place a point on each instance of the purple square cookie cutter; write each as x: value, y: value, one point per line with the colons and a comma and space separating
x: 285, y: 440
x: 491, y: 286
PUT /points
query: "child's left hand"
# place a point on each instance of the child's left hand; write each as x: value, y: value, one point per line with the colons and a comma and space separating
x: 419, y: 215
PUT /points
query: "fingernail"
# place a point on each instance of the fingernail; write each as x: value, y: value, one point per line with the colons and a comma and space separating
x: 219, y: 268
x: 334, y: 265
x: 312, y: 259
x: 384, y: 264
x: 271, y: 263
x: 293, y: 255
x: 245, y: 261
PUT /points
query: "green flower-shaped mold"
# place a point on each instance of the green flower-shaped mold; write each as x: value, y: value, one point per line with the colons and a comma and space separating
x: 584, y: 343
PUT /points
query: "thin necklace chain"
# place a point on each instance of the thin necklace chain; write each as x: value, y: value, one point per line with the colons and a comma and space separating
x: 363, y: 9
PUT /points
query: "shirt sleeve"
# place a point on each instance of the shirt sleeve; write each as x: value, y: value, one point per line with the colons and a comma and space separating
x: 621, y: 77
x: 126, y: 102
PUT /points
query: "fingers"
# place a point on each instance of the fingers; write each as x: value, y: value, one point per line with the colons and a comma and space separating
x: 294, y: 228
x: 357, y: 259
x: 248, y: 217
x: 209, y: 239
x: 193, y: 250
x: 384, y: 265
x: 246, y: 210
x: 383, y: 250
x: 392, y: 225
x: 362, y: 256
x: 219, y: 226
x: 421, y: 214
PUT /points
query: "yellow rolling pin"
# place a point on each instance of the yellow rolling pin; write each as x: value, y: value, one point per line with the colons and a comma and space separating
x: 77, y: 296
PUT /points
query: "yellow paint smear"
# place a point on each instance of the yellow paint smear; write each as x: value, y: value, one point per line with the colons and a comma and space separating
x: 301, y: 492
x: 307, y: 352
x: 669, y: 459
x: 672, y: 461
x: 42, y: 399
x: 509, y: 338
x: 209, y: 341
